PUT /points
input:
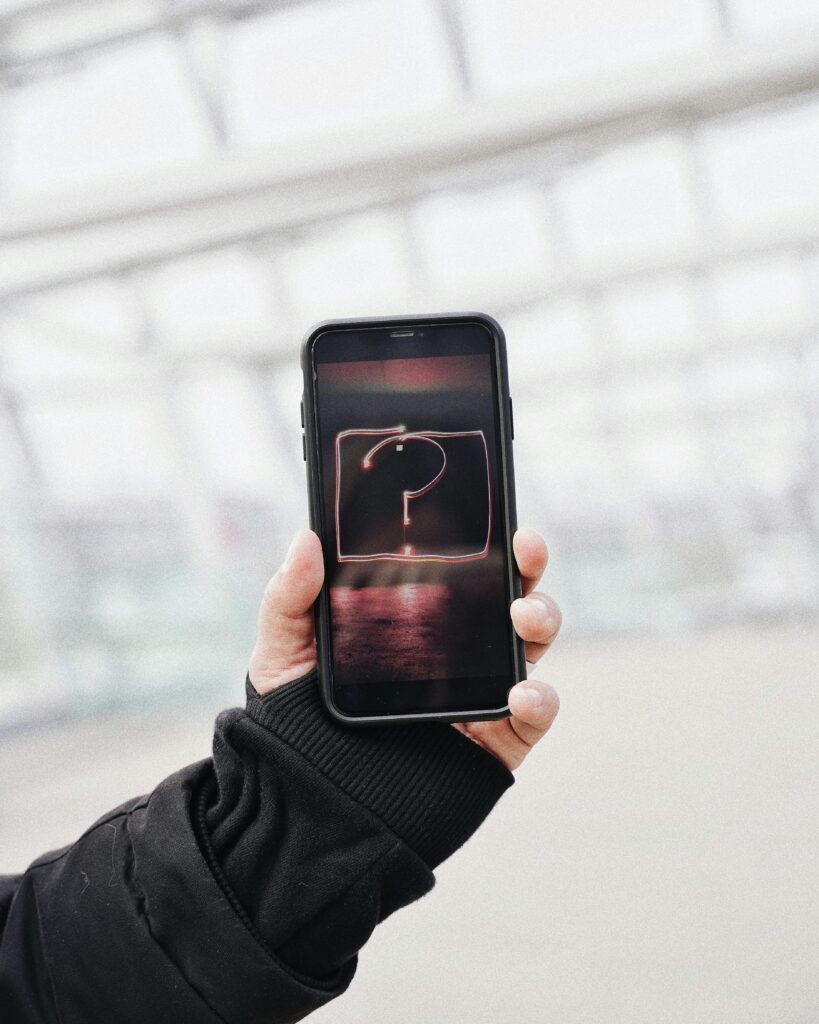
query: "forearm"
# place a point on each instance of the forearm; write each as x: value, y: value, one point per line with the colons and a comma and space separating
x: 359, y: 818
x: 243, y: 887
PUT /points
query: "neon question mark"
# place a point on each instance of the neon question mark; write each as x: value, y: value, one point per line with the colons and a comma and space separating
x: 408, y: 496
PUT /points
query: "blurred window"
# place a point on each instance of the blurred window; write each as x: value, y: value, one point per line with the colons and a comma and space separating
x: 627, y: 203
x: 120, y: 113
x: 326, y: 67
x: 526, y: 44
x: 490, y: 242
x: 762, y: 166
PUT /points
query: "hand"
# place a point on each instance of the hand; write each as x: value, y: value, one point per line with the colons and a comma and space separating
x: 286, y: 641
x: 534, y: 704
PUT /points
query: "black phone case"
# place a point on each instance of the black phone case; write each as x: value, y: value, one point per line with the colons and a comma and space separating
x: 311, y: 454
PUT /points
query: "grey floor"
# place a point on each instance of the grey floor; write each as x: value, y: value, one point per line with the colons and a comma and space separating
x: 656, y: 862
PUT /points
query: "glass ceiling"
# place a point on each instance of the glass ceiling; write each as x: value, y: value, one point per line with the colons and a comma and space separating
x: 186, y: 186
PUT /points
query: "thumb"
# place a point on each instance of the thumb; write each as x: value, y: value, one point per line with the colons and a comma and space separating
x: 286, y: 638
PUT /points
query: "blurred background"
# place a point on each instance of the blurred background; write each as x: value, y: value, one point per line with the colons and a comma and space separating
x: 631, y: 188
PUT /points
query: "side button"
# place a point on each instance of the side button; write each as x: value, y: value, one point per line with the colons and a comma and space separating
x: 303, y: 448
x: 511, y: 419
x: 301, y: 410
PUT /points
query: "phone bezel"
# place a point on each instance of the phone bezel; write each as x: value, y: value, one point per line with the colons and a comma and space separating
x: 311, y: 450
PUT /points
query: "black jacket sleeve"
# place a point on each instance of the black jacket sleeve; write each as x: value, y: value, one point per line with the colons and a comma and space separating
x: 242, y: 888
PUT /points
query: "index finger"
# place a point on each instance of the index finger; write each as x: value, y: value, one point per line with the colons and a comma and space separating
x: 532, y: 556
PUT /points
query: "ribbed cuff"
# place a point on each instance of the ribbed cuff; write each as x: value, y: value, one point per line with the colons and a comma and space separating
x: 430, y: 784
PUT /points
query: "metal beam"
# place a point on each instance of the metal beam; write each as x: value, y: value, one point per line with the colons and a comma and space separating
x: 56, y: 240
x: 276, y: 353
x: 24, y: 9
x: 37, y: 8
x: 25, y: 66
x: 452, y: 22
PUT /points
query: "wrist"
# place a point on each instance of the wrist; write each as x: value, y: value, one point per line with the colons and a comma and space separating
x: 265, y: 675
x: 431, y: 785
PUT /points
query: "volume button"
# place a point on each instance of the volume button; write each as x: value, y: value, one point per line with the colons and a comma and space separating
x: 511, y: 419
x: 301, y: 410
x: 303, y: 448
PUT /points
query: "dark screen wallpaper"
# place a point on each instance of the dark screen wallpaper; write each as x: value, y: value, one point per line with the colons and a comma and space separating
x: 410, y: 484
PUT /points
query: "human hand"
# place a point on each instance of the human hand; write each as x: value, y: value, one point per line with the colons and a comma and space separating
x: 286, y: 641
x: 533, y: 703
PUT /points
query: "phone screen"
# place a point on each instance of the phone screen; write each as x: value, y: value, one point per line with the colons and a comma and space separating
x: 413, y: 516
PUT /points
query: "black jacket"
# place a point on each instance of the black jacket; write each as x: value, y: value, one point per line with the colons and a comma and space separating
x: 242, y: 888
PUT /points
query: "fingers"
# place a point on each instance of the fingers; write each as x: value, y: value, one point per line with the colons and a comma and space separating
x: 285, y: 643
x: 532, y: 555
x: 497, y: 738
x: 292, y: 591
x: 537, y: 620
x: 534, y: 706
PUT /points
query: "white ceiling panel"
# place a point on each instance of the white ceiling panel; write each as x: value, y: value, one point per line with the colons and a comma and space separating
x: 526, y: 44
x: 650, y: 396
x: 548, y: 339
x: 765, y: 455
x: 326, y: 67
x: 669, y: 462
x: 653, y: 316
x: 12, y: 473
x: 486, y: 243
x: 763, y: 295
x: 629, y: 203
x: 762, y: 167
x: 753, y: 379
x: 35, y: 355
x: 118, y: 115
x: 77, y: 24
x: 98, y: 315
x: 101, y: 450
x: 229, y: 425
x: 218, y: 301
x: 357, y: 266
x: 760, y: 17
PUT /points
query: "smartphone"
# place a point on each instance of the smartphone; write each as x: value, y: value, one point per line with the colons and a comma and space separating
x: 408, y: 443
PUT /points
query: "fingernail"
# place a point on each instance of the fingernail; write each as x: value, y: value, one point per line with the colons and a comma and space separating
x: 547, y: 610
x: 532, y: 696
x: 549, y: 620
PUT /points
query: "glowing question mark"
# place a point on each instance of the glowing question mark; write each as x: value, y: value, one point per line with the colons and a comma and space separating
x: 408, y: 496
